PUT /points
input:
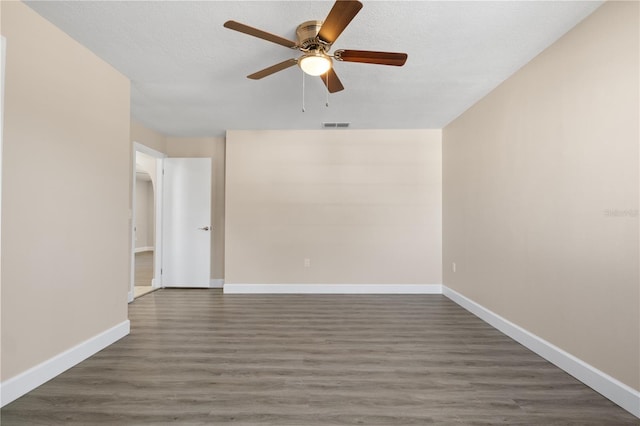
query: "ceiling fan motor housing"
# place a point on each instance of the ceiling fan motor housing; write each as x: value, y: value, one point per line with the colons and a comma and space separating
x: 307, y: 34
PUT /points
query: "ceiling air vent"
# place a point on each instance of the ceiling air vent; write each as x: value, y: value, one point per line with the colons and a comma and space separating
x: 333, y: 125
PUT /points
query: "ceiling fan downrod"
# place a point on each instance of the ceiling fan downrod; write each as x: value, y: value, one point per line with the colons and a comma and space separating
x: 326, y: 76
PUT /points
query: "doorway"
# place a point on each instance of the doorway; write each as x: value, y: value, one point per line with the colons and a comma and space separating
x: 146, y: 221
x: 143, y: 228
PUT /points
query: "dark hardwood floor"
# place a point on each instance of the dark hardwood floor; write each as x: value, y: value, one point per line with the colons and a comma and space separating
x: 198, y: 357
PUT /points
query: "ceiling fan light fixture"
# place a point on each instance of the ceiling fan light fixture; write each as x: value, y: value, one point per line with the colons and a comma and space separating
x: 315, y: 63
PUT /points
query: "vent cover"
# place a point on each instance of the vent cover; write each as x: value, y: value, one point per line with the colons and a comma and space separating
x: 334, y: 125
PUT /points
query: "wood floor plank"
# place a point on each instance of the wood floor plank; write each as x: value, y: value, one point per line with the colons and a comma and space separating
x: 198, y: 357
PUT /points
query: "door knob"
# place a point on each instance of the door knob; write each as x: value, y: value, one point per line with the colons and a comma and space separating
x: 206, y: 228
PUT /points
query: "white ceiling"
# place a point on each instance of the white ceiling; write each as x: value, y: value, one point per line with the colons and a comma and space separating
x: 188, y: 73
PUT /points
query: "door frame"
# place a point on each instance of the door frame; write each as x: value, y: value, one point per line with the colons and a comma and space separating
x: 3, y: 57
x: 156, y: 282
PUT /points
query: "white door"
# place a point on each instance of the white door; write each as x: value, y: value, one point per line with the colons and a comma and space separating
x: 186, y: 223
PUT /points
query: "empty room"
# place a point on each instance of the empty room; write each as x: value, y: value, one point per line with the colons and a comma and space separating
x: 320, y: 212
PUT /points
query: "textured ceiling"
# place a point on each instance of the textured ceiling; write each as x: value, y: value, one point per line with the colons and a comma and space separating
x: 188, y: 73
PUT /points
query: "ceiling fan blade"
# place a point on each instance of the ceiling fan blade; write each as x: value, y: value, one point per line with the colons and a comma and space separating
x: 237, y: 26
x: 331, y: 80
x: 369, y: 57
x: 342, y: 12
x: 273, y: 69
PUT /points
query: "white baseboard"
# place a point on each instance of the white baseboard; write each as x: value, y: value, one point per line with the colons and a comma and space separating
x: 141, y: 249
x: 232, y: 288
x: 621, y: 394
x: 216, y: 283
x: 15, y: 387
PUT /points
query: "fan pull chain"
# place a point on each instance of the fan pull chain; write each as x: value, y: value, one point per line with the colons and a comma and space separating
x: 327, y: 80
x: 302, y: 91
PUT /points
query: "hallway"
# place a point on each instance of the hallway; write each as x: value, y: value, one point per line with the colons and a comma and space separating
x: 143, y: 273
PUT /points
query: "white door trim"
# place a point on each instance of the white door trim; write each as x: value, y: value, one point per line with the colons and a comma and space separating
x: 157, y: 241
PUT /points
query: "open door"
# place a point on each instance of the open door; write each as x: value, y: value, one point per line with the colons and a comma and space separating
x: 186, y: 224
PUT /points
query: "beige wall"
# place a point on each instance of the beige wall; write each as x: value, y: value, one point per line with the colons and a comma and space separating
x: 151, y: 216
x: 147, y: 164
x: 147, y: 137
x: 65, y: 263
x: 144, y: 213
x: 533, y: 176
x: 213, y: 148
x: 363, y: 205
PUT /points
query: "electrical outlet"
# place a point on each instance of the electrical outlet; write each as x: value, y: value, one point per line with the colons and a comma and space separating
x: 453, y: 266
x: 307, y: 262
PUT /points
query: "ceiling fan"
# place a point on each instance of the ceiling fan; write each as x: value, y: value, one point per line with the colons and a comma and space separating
x: 314, y: 41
